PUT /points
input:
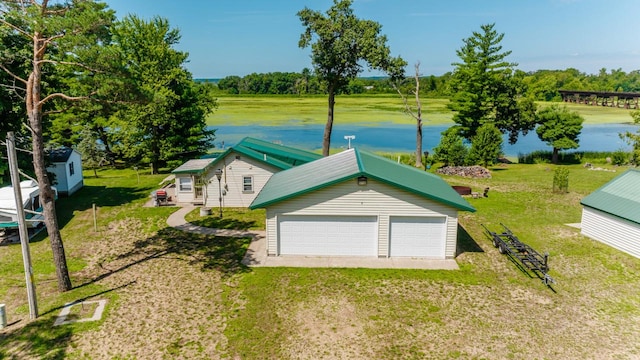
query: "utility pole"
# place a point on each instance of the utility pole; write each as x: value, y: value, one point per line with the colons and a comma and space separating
x: 22, y: 225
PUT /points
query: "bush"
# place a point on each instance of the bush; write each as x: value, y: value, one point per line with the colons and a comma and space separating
x: 561, y: 180
x: 573, y: 157
x: 486, y: 147
x: 451, y: 151
x: 619, y: 158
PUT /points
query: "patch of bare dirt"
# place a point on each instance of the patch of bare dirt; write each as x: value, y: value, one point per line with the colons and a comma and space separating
x: 168, y: 307
x: 327, y: 328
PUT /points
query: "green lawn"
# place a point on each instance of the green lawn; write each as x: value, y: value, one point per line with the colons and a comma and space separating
x: 365, y: 110
x: 177, y: 295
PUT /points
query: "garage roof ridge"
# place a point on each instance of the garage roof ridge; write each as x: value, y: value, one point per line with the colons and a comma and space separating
x: 350, y: 164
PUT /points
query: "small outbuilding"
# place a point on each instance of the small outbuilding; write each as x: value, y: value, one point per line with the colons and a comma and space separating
x: 243, y: 168
x: 66, y: 164
x: 611, y: 214
x: 355, y: 203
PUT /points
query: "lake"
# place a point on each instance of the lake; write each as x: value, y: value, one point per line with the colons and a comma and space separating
x: 390, y: 137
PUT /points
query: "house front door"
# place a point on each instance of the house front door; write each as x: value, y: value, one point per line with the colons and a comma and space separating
x: 198, y: 189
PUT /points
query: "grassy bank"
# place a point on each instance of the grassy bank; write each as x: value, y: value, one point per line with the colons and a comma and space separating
x: 365, y: 110
x: 183, y: 296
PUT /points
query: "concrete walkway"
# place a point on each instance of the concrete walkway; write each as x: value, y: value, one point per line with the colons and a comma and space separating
x: 256, y: 255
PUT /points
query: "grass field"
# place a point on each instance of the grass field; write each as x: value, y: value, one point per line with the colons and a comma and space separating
x: 289, y: 110
x: 173, y: 295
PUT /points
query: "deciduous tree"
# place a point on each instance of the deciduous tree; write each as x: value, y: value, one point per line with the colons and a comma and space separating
x: 633, y: 139
x: 168, y: 120
x: 559, y: 128
x: 340, y: 43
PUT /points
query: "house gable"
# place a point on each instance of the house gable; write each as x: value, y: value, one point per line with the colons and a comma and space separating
x: 242, y: 179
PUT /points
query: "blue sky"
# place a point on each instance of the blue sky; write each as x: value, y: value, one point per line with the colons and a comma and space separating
x: 239, y: 37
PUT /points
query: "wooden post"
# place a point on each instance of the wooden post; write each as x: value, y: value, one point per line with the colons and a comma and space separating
x: 95, y: 219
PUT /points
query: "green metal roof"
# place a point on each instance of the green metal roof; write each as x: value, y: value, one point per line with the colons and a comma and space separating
x: 619, y: 197
x: 348, y: 165
x: 290, y: 155
x: 194, y: 166
x: 280, y: 156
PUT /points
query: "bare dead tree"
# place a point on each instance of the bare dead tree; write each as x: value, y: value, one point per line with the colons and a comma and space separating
x: 417, y: 114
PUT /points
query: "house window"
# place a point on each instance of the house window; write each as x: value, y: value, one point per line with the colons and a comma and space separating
x: 186, y: 184
x: 247, y: 184
x: 71, y: 171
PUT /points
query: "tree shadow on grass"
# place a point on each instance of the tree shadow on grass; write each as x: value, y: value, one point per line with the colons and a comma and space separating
x: 37, y: 340
x: 466, y: 243
x: 84, y: 199
x: 212, y: 253
x: 219, y: 253
x: 225, y: 223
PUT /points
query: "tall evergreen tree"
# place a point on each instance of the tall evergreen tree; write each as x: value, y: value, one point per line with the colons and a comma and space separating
x: 60, y: 36
x: 485, y: 89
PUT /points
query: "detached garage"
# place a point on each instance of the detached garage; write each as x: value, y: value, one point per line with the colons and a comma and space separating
x: 359, y: 204
x: 611, y: 214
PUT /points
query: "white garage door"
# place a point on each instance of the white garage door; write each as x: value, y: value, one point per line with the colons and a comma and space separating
x: 328, y: 235
x: 417, y: 237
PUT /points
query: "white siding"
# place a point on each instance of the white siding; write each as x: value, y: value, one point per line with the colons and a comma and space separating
x: 75, y: 181
x: 68, y: 183
x: 232, y: 185
x: 374, y: 199
x: 185, y: 196
x: 60, y: 169
x: 619, y: 233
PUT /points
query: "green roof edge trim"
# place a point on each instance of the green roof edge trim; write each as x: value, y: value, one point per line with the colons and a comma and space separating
x: 359, y: 160
x: 428, y: 196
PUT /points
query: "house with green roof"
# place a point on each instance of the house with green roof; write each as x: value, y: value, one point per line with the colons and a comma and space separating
x: 244, y: 169
x: 355, y: 203
x: 611, y: 214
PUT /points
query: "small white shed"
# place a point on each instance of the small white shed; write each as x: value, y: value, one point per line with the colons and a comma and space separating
x: 355, y: 203
x: 66, y: 164
x: 611, y: 214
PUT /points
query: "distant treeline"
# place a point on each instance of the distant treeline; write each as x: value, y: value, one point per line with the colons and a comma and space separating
x: 542, y: 84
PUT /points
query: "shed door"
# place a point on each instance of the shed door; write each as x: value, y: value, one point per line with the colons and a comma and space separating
x: 417, y: 237
x: 328, y: 235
